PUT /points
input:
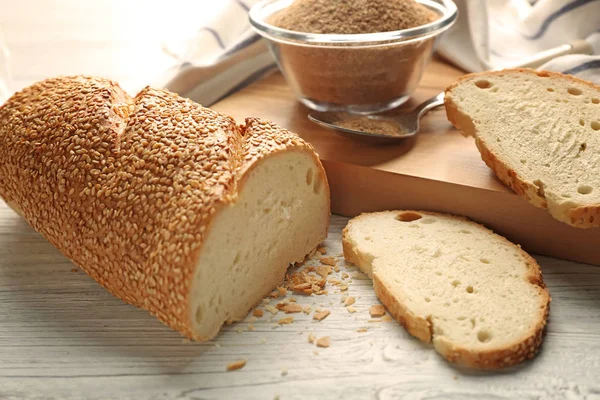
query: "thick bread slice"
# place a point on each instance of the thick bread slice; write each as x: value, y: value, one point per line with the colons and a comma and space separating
x: 540, y: 133
x: 480, y: 299
x: 170, y: 206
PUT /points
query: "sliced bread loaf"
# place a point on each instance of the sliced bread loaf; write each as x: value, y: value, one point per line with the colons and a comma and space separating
x: 540, y: 133
x: 171, y: 206
x: 480, y: 299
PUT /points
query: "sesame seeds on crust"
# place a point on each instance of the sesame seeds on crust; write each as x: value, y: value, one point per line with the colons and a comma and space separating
x: 126, y: 187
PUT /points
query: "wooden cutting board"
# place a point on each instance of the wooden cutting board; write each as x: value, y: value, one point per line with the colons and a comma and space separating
x: 438, y: 170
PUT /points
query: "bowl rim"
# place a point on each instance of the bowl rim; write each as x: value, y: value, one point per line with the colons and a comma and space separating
x: 447, y: 8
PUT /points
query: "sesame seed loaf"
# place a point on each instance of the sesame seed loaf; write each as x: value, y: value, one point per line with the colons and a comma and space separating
x: 539, y: 132
x: 169, y: 205
x: 478, y: 298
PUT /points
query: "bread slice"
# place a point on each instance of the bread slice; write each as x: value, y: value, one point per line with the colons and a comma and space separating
x: 540, y: 133
x: 480, y: 299
x: 170, y: 206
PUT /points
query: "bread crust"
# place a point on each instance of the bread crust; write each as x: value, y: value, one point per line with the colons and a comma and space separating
x: 127, y: 187
x: 423, y: 329
x: 579, y: 217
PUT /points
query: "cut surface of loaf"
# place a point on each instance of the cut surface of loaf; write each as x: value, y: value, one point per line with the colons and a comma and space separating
x: 540, y: 133
x: 169, y: 205
x: 480, y: 299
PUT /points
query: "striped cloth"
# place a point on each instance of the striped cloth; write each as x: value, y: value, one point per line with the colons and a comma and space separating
x: 489, y: 34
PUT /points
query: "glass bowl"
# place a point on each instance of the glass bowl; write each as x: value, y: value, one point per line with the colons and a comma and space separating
x: 359, y: 73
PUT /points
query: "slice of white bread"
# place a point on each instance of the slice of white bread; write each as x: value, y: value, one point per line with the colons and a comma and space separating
x: 480, y: 299
x: 540, y: 133
x: 169, y: 205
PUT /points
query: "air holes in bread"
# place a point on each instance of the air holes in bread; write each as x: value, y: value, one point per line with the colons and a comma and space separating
x: 581, y: 122
x: 428, y: 299
x: 455, y: 283
x: 484, y: 336
x: 309, y: 177
x: 585, y: 189
x: 523, y: 161
x: 582, y: 147
x: 574, y: 91
x: 483, y: 84
x: 484, y: 260
x: 317, y: 184
x: 465, y: 231
x: 408, y: 216
x: 595, y: 125
x: 428, y: 220
x: 198, y: 315
x: 595, y: 100
x: 469, y: 289
x: 550, y: 89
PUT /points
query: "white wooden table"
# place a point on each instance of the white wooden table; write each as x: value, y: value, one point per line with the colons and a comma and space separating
x: 62, y: 336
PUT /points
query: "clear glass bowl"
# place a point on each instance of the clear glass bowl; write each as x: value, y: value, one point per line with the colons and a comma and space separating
x: 360, y: 73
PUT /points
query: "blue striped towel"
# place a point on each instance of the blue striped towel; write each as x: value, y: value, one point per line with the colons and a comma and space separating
x: 489, y: 34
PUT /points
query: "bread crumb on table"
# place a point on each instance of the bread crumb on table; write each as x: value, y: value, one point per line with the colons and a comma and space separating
x: 282, y: 291
x: 323, y: 341
x: 349, y: 301
x: 289, y: 308
x: 328, y: 261
x: 257, y: 312
x: 306, y: 310
x: 285, y: 321
x: 321, y: 315
x: 377, y: 310
x: 386, y: 318
x: 236, y: 365
x: 273, y: 310
x: 362, y: 329
x: 74, y: 270
x: 351, y: 309
x: 311, y: 338
x: 284, y: 371
x: 322, y: 250
x: 323, y: 270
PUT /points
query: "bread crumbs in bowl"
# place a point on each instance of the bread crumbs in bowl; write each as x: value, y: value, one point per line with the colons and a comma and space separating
x: 355, y: 55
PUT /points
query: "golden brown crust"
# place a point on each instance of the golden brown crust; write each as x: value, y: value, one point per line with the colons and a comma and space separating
x: 423, y: 329
x: 127, y: 187
x: 580, y: 217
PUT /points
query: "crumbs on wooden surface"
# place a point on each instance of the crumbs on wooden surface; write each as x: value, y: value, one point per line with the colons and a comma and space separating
x: 323, y: 270
x: 349, y: 301
x: 323, y: 341
x: 74, y: 270
x: 311, y: 338
x: 322, y: 250
x: 236, y: 365
x: 377, y: 310
x: 305, y: 283
x: 306, y: 310
x: 272, y: 309
x: 321, y: 315
x: 386, y: 318
x: 258, y: 313
x: 286, y: 321
x: 351, y: 309
x: 289, y: 308
x: 328, y: 261
x: 363, y: 329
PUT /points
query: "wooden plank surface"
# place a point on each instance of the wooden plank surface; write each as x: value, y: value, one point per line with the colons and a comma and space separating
x: 64, y: 337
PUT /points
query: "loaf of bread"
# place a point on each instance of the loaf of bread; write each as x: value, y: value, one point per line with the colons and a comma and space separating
x: 170, y: 206
x: 540, y: 133
x: 480, y: 299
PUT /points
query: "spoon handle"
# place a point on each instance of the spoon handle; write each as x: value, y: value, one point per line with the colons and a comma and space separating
x: 429, y: 104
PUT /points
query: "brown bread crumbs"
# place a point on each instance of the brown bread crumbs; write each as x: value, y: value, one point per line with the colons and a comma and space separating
x: 236, y: 365
x: 323, y: 341
x: 257, y: 312
x: 328, y: 261
x: 285, y: 321
x: 349, y: 301
x: 289, y: 308
x: 377, y: 310
x: 321, y: 315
